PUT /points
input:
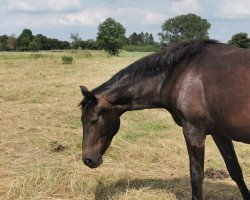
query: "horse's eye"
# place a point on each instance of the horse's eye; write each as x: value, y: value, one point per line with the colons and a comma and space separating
x: 94, y: 121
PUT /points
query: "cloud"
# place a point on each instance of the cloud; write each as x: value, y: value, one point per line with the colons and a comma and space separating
x: 233, y: 9
x: 86, y: 17
x: 145, y: 16
x: 86, y: 13
x: 225, y: 9
x: 89, y: 17
x: 155, y: 18
x: 179, y: 7
x: 42, y: 6
x: 94, y: 16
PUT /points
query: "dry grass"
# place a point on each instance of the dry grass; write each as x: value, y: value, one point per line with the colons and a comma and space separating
x: 41, y: 135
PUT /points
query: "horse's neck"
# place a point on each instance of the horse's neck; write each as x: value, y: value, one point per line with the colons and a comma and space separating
x: 137, y: 94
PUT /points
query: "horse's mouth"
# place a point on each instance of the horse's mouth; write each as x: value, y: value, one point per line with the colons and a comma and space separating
x: 93, y: 165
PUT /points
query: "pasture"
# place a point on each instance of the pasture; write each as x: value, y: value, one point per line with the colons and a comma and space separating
x: 41, y: 137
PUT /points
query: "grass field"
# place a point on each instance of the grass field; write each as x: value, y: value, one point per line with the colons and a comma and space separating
x: 41, y: 134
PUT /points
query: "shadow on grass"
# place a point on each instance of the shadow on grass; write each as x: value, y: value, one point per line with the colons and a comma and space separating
x: 180, y: 187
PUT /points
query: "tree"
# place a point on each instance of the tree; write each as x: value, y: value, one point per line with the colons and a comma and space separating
x: 33, y: 46
x: 240, y: 40
x: 53, y: 43
x: 75, y: 37
x: 7, y: 42
x: 42, y: 42
x: 151, y: 40
x: 11, y: 42
x: 148, y: 39
x: 133, y: 39
x: 111, y: 36
x: 64, y: 45
x: 183, y: 28
x: 76, y: 40
x: 90, y: 44
x: 24, y: 40
x: 3, y: 42
x: 141, y: 39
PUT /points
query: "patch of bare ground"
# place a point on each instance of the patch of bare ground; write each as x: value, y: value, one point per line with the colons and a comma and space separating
x: 212, y: 173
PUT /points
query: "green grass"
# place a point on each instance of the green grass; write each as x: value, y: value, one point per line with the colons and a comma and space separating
x: 146, y: 129
x: 39, y: 115
x: 76, y: 54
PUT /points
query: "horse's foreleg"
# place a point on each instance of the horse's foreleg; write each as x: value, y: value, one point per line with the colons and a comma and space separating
x: 195, y: 140
x: 227, y: 151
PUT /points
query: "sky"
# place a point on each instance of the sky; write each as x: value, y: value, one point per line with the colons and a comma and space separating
x: 60, y: 18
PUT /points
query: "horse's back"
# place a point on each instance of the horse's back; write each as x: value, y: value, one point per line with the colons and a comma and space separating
x: 226, y: 83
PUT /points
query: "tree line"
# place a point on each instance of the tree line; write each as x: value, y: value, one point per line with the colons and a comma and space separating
x: 111, y: 37
x: 26, y: 41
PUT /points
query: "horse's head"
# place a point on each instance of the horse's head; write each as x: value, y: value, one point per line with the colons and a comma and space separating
x: 101, y: 121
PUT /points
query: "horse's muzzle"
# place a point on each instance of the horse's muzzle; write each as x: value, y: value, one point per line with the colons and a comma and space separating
x: 92, y: 163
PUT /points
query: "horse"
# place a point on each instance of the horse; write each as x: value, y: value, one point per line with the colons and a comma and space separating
x: 204, y: 85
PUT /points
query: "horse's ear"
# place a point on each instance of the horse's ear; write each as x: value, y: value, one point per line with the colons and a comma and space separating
x: 88, y: 95
x: 83, y: 89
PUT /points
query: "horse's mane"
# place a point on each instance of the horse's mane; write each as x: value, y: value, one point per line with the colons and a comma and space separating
x: 164, y: 60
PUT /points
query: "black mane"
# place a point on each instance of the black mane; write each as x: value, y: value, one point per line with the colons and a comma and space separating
x: 158, y: 62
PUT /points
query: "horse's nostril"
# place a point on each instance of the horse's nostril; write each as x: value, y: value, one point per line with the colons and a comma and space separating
x: 88, y: 162
x: 92, y: 163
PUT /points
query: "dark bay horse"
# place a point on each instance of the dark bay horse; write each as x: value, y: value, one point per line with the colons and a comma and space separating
x: 205, y: 85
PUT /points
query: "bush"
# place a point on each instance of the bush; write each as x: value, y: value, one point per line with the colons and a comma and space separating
x: 67, y: 60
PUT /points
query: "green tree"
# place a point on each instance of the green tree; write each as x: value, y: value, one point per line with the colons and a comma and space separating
x: 11, y: 42
x: 64, y: 45
x: 33, y: 46
x: 141, y: 39
x: 133, y: 39
x: 57, y: 44
x: 76, y: 40
x: 23, y: 44
x: 53, y: 43
x: 3, y: 42
x: 42, y: 42
x: 148, y: 39
x: 240, y: 40
x: 90, y: 44
x: 183, y: 28
x: 111, y: 36
x: 24, y: 40
x: 151, y: 40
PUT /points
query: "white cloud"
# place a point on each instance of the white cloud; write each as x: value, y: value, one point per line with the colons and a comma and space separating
x: 31, y: 6
x: 233, y: 9
x: 146, y: 16
x: 155, y: 18
x: 93, y: 16
x: 87, y: 17
x: 25, y: 21
x: 184, y: 6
